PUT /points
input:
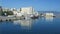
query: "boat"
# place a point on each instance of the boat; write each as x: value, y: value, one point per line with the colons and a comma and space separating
x: 34, y: 16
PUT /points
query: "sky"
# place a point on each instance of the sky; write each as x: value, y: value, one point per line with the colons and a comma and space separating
x: 38, y: 5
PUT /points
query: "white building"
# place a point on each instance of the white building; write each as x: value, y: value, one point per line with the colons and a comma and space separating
x: 27, y: 10
x: 6, y: 9
x: 49, y: 14
x: 17, y: 13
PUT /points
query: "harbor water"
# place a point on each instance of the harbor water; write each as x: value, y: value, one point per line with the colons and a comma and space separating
x: 47, y: 25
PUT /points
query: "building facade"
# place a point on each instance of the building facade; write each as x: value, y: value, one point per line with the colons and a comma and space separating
x: 27, y: 10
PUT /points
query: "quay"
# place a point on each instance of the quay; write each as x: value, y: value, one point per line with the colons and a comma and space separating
x: 5, y: 18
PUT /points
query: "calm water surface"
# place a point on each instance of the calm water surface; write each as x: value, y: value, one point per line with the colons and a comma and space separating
x: 37, y: 26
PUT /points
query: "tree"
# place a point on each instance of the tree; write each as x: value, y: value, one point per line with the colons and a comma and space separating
x: 4, y: 13
x: 9, y: 12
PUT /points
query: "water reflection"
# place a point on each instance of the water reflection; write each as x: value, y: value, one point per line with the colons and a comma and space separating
x: 25, y: 24
x: 49, y: 18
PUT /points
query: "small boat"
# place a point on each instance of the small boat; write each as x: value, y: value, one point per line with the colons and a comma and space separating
x: 22, y: 17
x: 34, y: 16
